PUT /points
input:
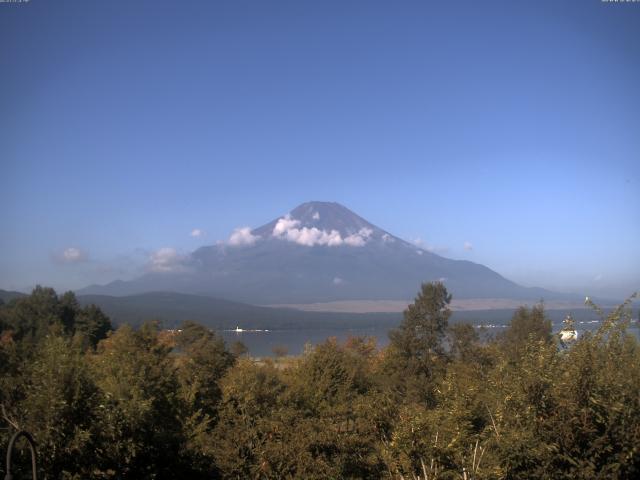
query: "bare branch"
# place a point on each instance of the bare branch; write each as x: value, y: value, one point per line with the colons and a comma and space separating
x: 6, y: 417
x: 493, y: 423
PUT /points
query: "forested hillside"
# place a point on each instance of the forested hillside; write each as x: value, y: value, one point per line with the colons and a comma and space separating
x: 436, y: 403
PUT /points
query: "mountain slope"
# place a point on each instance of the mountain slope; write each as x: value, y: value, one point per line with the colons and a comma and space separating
x: 320, y: 252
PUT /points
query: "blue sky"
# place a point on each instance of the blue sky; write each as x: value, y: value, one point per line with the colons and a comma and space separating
x: 512, y: 126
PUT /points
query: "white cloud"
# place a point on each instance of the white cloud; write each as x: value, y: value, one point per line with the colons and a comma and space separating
x: 316, y: 216
x: 196, y: 232
x: 338, y: 281
x: 166, y: 259
x: 313, y: 236
x: 468, y: 246
x: 386, y: 238
x: 360, y: 238
x: 288, y: 229
x: 419, y: 252
x: 69, y: 256
x: 418, y: 242
x: 73, y: 255
x: 284, y: 224
x: 243, y: 236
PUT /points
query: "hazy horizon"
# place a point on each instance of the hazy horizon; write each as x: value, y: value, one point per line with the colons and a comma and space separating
x: 502, y: 134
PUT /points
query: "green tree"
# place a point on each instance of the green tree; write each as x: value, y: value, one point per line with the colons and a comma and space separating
x: 464, y: 342
x: 526, y: 326
x: 251, y: 397
x: 416, y: 355
x: 595, y: 426
x: 202, y: 361
x: 68, y: 309
x: 328, y: 379
x: 31, y: 317
x: 92, y: 323
x: 332, y: 389
x: 310, y: 420
x: 59, y: 408
x: 141, y: 433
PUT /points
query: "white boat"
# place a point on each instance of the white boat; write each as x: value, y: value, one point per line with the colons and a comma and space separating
x: 568, y: 334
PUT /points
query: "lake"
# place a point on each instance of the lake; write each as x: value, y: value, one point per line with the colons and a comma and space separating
x: 261, y: 343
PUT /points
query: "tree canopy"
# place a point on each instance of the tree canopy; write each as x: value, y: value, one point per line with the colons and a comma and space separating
x: 438, y: 402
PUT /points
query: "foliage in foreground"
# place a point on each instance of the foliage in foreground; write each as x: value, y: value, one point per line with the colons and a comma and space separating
x: 437, y: 403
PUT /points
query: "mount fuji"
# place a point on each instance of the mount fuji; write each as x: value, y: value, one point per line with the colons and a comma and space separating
x: 319, y: 252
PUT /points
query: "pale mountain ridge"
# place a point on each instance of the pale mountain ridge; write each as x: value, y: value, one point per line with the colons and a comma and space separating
x: 321, y: 252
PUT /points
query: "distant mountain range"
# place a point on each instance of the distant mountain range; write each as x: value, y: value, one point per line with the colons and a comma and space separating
x: 319, y: 252
x: 173, y: 308
x: 7, y: 295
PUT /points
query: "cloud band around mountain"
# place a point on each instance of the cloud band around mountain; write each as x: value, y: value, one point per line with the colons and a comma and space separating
x: 167, y: 260
x: 287, y: 228
x: 243, y: 236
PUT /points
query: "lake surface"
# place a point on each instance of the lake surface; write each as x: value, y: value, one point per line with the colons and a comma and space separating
x: 261, y: 343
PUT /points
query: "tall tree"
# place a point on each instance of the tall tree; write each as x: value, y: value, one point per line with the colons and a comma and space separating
x: 59, y: 408
x: 417, y: 353
x: 139, y: 412
x: 93, y: 323
x: 527, y: 326
x: 31, y: 317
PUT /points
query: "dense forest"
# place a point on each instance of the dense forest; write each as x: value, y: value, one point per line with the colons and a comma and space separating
x: 437, y: 403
